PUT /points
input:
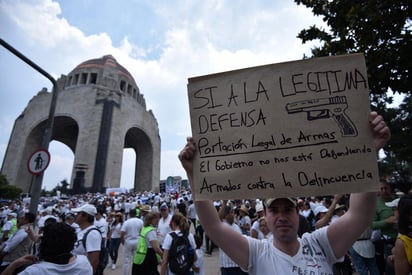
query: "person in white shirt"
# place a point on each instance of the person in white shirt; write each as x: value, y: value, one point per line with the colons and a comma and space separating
x: 127, y: 206
x: 114, y: 243
x: 55, y: 255
x: 91, y: 247
x: 100, y: 222
x: 315, y: 252
x: 180, y: 226
x: 70, y: 218
x: 163, y: 227
x: 7, y: 229
x: 254, y: 230
x: 227, y: 265
x: 264, y: 230
x: 199, y: 263
x: 129, y: 235
x: 191, y: 213
x: 19, y: 243
x: 244, y: 222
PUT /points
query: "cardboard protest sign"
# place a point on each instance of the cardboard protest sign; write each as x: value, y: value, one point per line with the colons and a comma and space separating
x: 289, y: 129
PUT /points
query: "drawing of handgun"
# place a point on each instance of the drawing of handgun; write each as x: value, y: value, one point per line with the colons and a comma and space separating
x: 325, y: 108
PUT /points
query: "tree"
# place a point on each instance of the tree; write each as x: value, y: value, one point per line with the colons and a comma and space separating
x: 8, y: 191
x: 64, y: 185
x: 382, y: 30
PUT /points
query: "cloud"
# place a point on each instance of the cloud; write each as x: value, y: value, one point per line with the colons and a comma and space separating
x: 197, y: 37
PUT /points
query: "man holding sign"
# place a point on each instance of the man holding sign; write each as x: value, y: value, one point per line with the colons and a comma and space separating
x: 314, y: 253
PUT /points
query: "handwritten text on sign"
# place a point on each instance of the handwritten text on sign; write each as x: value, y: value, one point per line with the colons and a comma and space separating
x: 290, y: 129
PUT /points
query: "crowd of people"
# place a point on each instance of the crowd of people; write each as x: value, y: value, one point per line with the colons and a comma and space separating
x: 367, y: 232
x: 125, y: 219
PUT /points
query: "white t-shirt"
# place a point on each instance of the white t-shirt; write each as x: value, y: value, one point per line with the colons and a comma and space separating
x: 80, y: 266
x: 244, y: 221
x: 315, y: 256
x: 116, y: 231
x: 199, y: 262
x: 191, y: 211
x: 151, y: 236
x: 168, y: 242
x: 163, y: 227
x: 224, y: 260
x: 44, y: 218
x: 93, y: 241
x: 132, y: 228
x: 255, y: 226
x: 102, y: 225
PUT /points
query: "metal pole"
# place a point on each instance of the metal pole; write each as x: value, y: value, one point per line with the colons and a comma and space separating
x: 48, y: 130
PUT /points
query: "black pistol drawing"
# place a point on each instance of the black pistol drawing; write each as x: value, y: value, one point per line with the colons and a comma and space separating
x: 325, y: 108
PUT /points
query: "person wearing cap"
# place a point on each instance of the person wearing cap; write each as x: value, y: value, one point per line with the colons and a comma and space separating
x: 85, y: 215
x: 100, y: 221
x: 9, y: 227
x: 255, y: 231
x: 385, y: 221
x: 19, y: 243
x: 315, y: 252
x: 339, y: 212
x: 324, y: 215
x: 129, y: 235
x: 55, y: 255
x: 394, y: 205
x: 244, y: 221
x: 144, y: 209
x: 70, y: 218
x: 163, y: 226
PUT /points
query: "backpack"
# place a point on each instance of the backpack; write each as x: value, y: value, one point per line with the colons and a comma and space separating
x: 103, y: 255
x: 181, y: 254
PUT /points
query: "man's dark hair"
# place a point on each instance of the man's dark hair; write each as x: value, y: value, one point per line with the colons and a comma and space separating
x: 49, y: 220
x: 100, y: 209
x: 30, y: 217
x: 405, y: 208
x: 132, y: 212
x: 57, y: 243
x: 227, y: 210
x: 90, y: 218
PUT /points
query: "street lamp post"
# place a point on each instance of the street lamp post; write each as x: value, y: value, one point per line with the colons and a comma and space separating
x: 48, y: 131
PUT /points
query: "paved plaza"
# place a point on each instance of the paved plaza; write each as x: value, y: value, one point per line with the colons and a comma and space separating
x: 211, y: 264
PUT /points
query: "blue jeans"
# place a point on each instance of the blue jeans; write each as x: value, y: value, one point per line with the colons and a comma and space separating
x: 364, y: 265
x: 389, y: 270
x: 114, y: 248
x: 232, y: 271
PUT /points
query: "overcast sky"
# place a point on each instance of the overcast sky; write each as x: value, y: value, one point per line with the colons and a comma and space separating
x: 161, y: 43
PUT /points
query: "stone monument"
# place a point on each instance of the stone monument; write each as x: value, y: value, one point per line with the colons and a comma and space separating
x: 99, y: 112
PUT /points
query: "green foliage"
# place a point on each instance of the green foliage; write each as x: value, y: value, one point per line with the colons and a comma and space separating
x: 382, y: 30
x: 3, y: 180
x: 8, y: 191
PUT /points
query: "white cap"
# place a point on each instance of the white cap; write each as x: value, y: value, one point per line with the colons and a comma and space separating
x: 12, y: 214
x: 259, y: 207
x: 86, y: 208
x: 393, y: 203
x: 320, y: 209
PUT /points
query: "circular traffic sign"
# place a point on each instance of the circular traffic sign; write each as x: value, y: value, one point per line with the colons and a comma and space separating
x: 38, y: 161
